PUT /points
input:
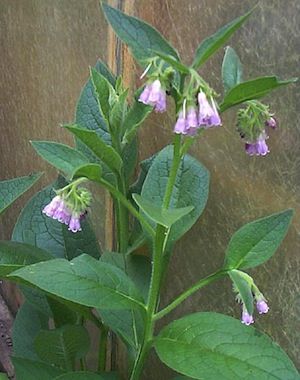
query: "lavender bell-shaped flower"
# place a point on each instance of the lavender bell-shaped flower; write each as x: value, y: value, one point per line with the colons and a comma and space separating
x: 74, y: 224
x: 51, y: 208
x: 208, y: 114
x: 247, y: 319
x: 272, y: 123
x: 62, y: 214
x: 180, y: 126
x: 191, y: 122
x: 262, y: 306
x: 154, y: 95
x: 259, y: 147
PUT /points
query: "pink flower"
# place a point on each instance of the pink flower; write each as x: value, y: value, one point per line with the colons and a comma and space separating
x: 208, y: 113
x: 51, y: 208
x: 74, y: 224
x: 154, y: 95
x: 259, y: 147
x: 247, y: 319
x: 187, y: 125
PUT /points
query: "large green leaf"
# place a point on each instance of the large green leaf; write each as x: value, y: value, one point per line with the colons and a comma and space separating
x: 15, y: 255
x: 91, y: 171
x: 61, y: 156
x: 34, y: 370
x: 165, y: 217
x: 28, y: 323
x: 12, y: 189
x: 213, y: 346
x: 256, y: 242
x: 99, y: 147
x: 83, y: 280
x: 211, y: 44
x: 35, y: 228
x: 63, y: 346
x: 141, y: 37
x: 134, y: 118
x: 87, y: 111
x: 232, y: 70
x: 252, y: 89
x: 191, y: 188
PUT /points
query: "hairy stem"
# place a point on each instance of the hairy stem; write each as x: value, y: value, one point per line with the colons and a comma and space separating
x: 198, y: 285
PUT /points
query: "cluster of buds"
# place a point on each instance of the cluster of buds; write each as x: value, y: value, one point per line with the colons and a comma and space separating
x: 259, y: 299
x: 254, y: 121
x: 69, y: 206
x: 190, y: 120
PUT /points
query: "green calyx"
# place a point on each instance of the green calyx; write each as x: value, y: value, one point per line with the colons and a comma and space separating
x: 76, y: 198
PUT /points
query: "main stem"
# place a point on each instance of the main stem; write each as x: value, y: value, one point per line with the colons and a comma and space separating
x: 154, y: 289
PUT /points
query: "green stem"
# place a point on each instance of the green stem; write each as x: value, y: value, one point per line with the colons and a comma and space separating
x: 102, y: 348
x: 122, y: 222
x: 154, y: 290
x: 119, y: 196
x: 198, y: 285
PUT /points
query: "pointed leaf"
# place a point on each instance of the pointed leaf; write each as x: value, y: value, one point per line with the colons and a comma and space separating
x: 211, y: 44
x: 83, y: 280
x: 252, y: 89
x: 105, y: 152
x: 161, y: 216
x: 28, y: 369
x: 91, y: 171
x: 177, y: 65
x: 12, y: 189
x: 213, y: 346
x: 141, y: 37
x: 15, y: 255
x: 62, y: 347
x: 61, y: 156
x: 191, y: 188
x: 134, y: 118
x: 232, y: 70
x: 256, y: 242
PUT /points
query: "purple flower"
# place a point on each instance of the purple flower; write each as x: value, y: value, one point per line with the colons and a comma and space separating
x: 187, y: 125
x: 272, y: 123
x: 208, y: 113
x: 62, y: 214
x: 262, y: 306
x: 51, y: 208
x: 154, y: 95
x: 180, y: 124
x: 74, y: 224
x: 247, y: 319
x: 259, y: 147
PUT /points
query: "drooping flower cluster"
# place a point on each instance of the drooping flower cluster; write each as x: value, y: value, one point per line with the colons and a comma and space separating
x: 207, y: 116
x: 253, y: 123
x: 69, y: 206
x: 260, y: 301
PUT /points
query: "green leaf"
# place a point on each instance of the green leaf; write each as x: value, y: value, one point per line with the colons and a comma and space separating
x: 28, y: 323
x: 213, y: 346
x: 118, y: 113
x: 232, y: 70
x: 83, y: 376
x: 37, y: 300
x: 244, y: 289
x: 104, y: 92
x: 134, y: 118
x: 145, y: 165
x: 256, y: 242
x: 61, y: 156
x: 159, y: 215
x: 28, y: 370
x: 143, y: 40
x: 211, y: 44
x: 3, y: 376
x: 12, y: 189
x: 15, y: 255
x: 91, y: 171
x: 190, y: 190
x: 62, y: 347
x: 62, y: 315
x: 129, y: 157
x: 252, y: 89
x: 83, y: 280
x: 129, y: 324
x: 177, y: 65
x: 87, y: 111
x: 105, y: 152
x: 35, y: 228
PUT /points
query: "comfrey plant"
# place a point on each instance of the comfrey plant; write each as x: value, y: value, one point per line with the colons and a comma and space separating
x: 65, y: 277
